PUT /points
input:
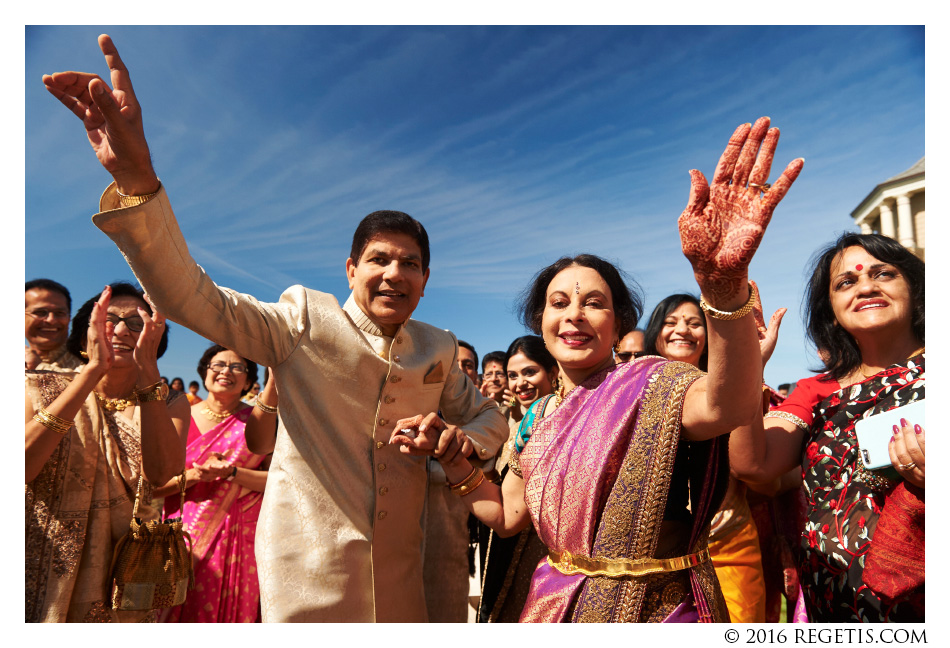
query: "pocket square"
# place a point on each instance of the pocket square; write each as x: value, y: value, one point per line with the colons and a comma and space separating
x: 434, y: 375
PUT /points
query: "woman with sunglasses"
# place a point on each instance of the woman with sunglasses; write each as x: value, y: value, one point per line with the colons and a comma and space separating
x: 224, y: 484
x: 90, y: 436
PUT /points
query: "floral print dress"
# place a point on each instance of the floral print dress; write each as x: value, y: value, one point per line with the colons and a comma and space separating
x: 844, y: 501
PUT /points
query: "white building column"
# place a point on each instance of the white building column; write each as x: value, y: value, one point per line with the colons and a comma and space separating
x: 887, y: 221
x: 866, y: 227
x: 905, y: 226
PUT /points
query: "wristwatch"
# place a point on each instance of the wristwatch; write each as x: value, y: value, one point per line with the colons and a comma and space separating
x: 158, y: 392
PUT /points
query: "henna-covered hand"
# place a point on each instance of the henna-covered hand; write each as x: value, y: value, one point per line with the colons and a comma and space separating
x: 768, y: 335
x: 722, y: 225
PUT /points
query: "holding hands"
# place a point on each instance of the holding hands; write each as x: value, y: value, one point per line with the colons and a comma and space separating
x: 430, y: 435
x: 722, y: 225
x: 113, y: 120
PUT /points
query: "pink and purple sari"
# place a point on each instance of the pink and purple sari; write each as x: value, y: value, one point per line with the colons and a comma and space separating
x: 597, y: 474
x: 221, y: 517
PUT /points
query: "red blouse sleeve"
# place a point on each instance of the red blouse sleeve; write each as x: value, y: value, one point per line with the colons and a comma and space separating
x: 808, y: 392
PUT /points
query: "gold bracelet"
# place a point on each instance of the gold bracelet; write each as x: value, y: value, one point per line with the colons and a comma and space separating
x: 52, y: 422
x: 132, y: 201
x: 726, y: 315
x: 470, y: 483
x: 155, y: 392
x: 267, y: 409
x: 467, y: 488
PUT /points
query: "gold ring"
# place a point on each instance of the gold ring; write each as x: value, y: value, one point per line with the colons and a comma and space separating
x: 761, y: 187
x: 908, y: 466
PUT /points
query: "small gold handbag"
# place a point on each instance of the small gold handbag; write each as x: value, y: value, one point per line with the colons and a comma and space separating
x: 151, y: 566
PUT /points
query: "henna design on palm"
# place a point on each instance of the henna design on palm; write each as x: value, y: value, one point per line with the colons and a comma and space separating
x: 723, y: 224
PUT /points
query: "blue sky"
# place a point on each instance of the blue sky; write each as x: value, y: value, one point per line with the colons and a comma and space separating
x: 512, y: 145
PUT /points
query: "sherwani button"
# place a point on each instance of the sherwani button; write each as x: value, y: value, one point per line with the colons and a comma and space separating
x: 389, y: 399
x: 383, y: 421
x: 379, y: 444
x: 394, y: 379
x: 382, y: 515
x: 383, y: 490
x: 381, y: 467
x: 395, y: 358
x: 398, y: 339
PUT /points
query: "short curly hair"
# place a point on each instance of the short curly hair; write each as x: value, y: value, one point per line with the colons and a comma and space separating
x: 214, y: 350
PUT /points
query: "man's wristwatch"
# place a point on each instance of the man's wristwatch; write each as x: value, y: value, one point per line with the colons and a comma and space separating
x: 153, y: 393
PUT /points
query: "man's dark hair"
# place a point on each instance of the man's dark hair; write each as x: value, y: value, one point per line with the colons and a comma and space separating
x: 463, y: 343
x: 386, y: 221
x: 52, y: 286
x: 786, y: 386
x: 76, y: 342
x: 214, y: 350
x: 658, y: 317
x: 194, y: 383
x: 823, y: 329
x: 494, y: 356
x: 627, y: 302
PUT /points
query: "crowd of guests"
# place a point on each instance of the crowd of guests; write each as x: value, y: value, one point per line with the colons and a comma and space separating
x: 605, y: 473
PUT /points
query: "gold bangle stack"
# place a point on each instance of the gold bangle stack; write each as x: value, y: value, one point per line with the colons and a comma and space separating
x: 726, y: 315
x: 470, y: 483
x: 267, y: 409
x: 52, y: 422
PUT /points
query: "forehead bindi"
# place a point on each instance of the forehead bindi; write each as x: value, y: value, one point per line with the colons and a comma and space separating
x: 578, y: 280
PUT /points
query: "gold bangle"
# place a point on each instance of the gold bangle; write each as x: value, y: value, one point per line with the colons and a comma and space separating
x: 470, y: 483
x: 156, y: 392
x: 52, y: 422
x: 726, y: 315
x: 132, y: 201
x: 467, y: 488
x: 267, y: 409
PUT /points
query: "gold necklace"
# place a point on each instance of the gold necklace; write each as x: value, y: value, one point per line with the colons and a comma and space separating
x: 116, y: 404
x: 214, y: 416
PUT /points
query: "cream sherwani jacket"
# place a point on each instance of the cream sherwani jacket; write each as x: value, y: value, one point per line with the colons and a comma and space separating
x: 340, y: 534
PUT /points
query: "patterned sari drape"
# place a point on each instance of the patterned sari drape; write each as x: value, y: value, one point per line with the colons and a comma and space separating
x: 222, y: 521
x: 597, y: 473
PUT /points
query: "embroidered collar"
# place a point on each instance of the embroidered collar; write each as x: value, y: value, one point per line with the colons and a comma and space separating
x: 361, y: 319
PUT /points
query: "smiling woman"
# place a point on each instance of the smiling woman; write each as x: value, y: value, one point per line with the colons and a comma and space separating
x: 90, y: 437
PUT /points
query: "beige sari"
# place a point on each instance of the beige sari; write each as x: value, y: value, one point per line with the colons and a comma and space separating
x: 78, y: 508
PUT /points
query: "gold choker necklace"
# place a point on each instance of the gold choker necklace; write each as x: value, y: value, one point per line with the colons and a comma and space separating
x: 214, y: 416
x: 115, y: 404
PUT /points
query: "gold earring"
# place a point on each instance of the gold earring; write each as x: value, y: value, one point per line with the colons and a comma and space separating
x: 617, y: 347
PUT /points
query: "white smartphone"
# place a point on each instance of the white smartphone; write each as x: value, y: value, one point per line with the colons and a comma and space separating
x: 874, y: 432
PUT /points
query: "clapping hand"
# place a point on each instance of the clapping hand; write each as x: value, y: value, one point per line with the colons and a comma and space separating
x: 99, y: 349
x: 723, y: 224
x: 113, y: 120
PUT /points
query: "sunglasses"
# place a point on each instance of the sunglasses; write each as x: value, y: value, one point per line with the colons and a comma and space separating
x: 625, y: 356
x: 134, y: 323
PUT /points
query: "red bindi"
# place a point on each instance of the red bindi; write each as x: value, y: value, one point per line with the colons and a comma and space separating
x: 859, y: 267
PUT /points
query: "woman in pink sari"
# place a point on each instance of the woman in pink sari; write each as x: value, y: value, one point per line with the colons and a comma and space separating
x: 225, y: 483
x: 624, y: 469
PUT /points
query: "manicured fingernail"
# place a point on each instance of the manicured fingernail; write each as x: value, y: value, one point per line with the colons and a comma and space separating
x: 903, y: 422
x: 422, y: 427
x: 896, y: 431
x: 917, y: 429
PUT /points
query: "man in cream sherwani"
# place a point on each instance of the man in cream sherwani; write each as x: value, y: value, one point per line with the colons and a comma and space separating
x: 340, y: 535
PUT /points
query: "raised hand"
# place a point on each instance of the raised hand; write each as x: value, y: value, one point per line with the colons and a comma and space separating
x: 145, y: 353
x: 113, y: 120
x: 768, y: 335
x: 99, y: 349
x: 722, y: 225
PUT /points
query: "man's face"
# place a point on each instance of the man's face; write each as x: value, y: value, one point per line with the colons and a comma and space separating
x: 47, y: 319
x: 495, y: 379
x: 388, y: 281
x: 631, y: 343
x: 467, y: 364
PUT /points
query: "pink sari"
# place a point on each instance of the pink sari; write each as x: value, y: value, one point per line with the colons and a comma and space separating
x: 222, y: 522
x: 597, y: 474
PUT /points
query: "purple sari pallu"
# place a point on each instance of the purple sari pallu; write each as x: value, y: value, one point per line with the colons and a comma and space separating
x: 222, y: 521
x: 597, y: 473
